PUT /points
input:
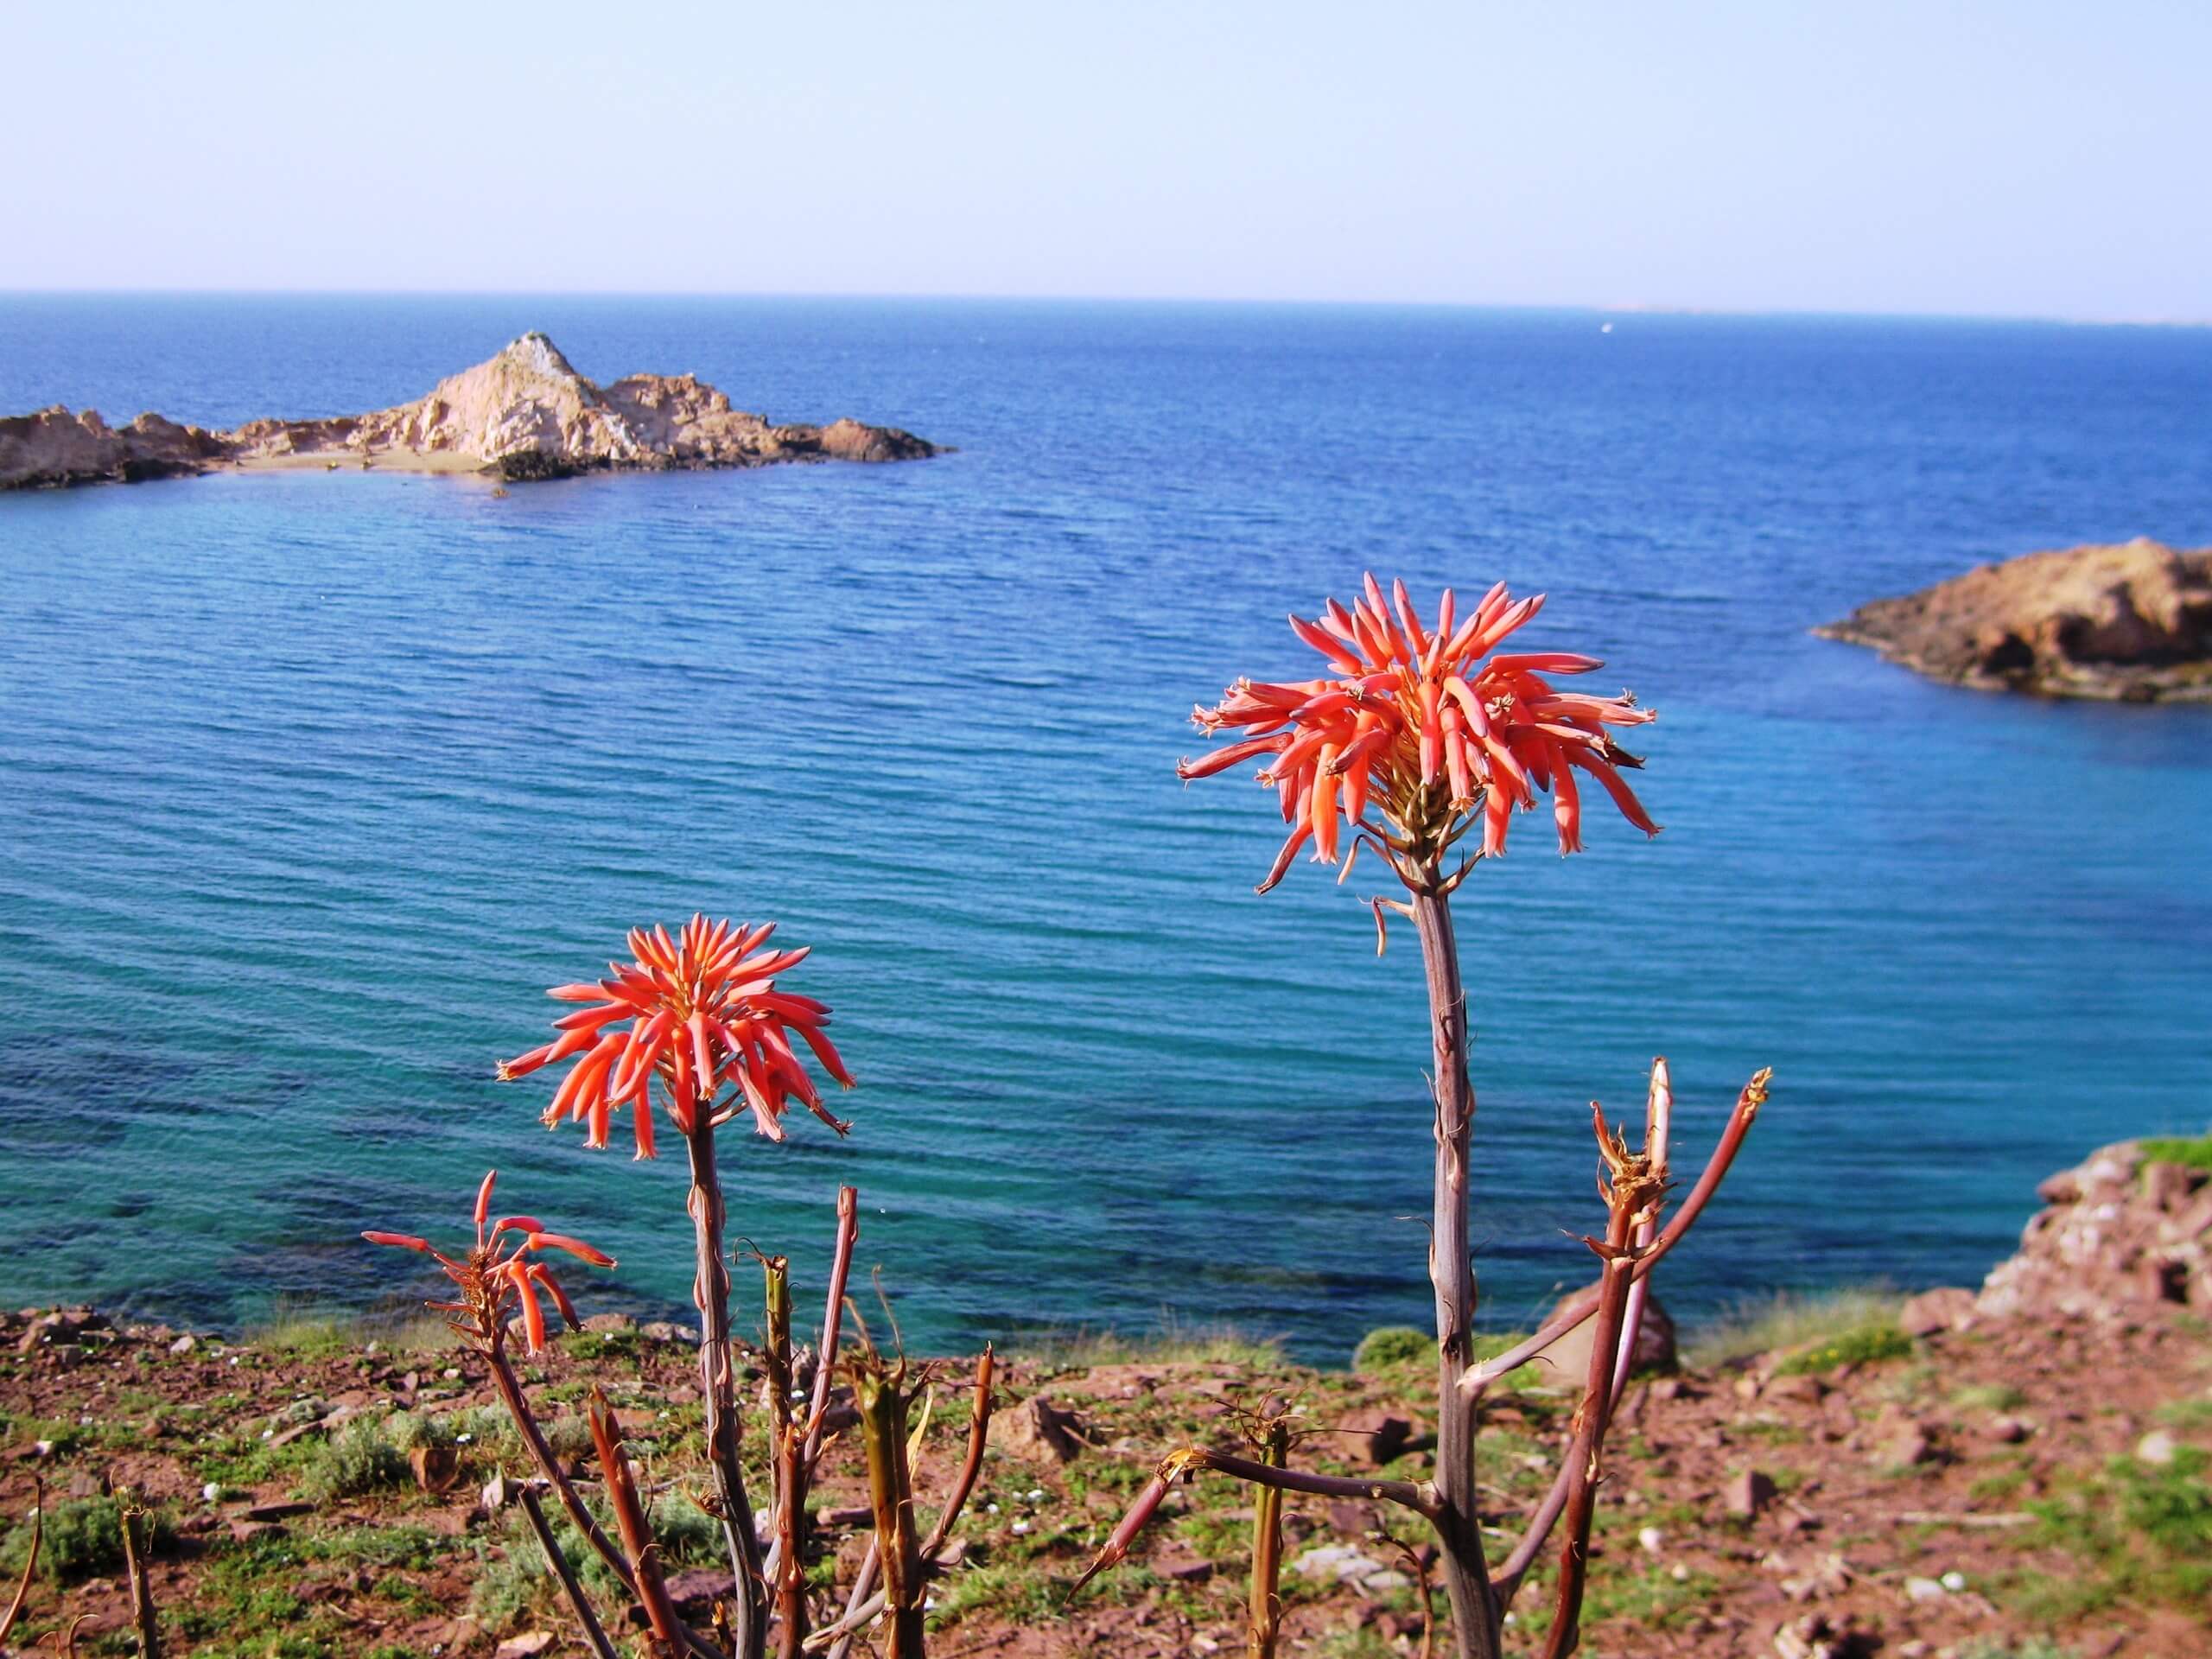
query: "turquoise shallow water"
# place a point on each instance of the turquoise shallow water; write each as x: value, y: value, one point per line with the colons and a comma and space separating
x: 309, y: 784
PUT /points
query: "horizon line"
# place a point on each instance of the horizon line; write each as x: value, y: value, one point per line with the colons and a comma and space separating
x: 1601, y: 308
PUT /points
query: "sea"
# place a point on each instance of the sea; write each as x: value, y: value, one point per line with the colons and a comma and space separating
x: 311, y: 782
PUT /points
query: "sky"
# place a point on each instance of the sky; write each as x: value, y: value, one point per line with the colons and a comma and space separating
x: 2024, y: 159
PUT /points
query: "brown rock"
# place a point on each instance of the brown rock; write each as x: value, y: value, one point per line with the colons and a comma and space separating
x: 2168, y: 1186
x: 1804, y: 1390
x: 436, y: 1467
x: 528, y: 1645
x: 1748, y: 1494
x: 1566, y: 1364
x: 1038, y: 1431
x: 1182, y: 1566
x: 283, y: 1510
x: 1380, y: 1437
x: 698, y: 1585
x: 1936, y: 1310
x: 1354, y: 1518
x: 2130, y: 621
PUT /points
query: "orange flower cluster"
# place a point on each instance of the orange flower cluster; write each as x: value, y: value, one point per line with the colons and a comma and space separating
x: 697, y: 1011
x: 1425, y: 725
x: 500, y: 1268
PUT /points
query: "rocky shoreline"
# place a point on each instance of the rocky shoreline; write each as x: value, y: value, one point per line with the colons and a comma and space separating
x: 523, y: 415
x: 2128, y: 623
x: 1981, y: 1474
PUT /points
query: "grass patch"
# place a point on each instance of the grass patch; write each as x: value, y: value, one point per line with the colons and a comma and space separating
x: 1989, y: 1396
x: 308, y: 1329
x: 2145, y: 1530
x: 1174, y: 1341
x: 1791, y: 1319
x: 2174, y: 1149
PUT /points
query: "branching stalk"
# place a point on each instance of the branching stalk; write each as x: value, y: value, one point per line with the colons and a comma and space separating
x: 142, y: 1593
x: 1263, y: 1610
x: 581, y: 1603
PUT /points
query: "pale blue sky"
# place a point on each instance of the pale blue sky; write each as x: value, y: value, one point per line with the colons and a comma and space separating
x: 2021, y: 159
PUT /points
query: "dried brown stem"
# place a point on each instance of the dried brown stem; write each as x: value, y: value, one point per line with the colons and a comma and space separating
x: 1451, y: 1274
x: 971, y: 1468
x: 840, y: 1267
x: 637, y: 1531
x: 1580, y: 1307
x: 718, y: 1391
x: 142, y: 1593
x: 1630, y: 1193
x: 30, y: 1563
x: 593, y: 1632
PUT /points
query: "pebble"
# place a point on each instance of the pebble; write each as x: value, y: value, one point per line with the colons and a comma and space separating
x: 184, y: 1344
x: 2158, y: 1446
x: 1923, y: 1590
x: 1953, y: 1582
x: 1652, y: 1539
x: 210, y: 1491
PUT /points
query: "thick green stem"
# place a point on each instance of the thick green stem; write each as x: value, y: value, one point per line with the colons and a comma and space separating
x: 786, y: 1443
x: 1264, y: 1612
x: 880, y: 1392
x: 1452, y: 1274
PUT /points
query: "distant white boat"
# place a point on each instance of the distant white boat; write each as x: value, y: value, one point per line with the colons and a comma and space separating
x: 1605, y: 327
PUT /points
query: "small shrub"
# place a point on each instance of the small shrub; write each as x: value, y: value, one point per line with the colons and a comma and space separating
x: 2145, y: 1529
x: 359, y: 1457
x: 83, y: 1536
x: 1393, y: 1346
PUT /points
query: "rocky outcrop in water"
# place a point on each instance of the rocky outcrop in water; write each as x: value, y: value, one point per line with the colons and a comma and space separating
x: 54, y: 447
x: 525, y: 414
x: 2131, y: 622
x: 2124, y: 1231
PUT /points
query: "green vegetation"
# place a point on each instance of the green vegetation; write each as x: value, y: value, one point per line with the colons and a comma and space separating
x: 2144, y: 1530
x: 1172, y: 1342
x: 2172, y: 1149
x: 359, y: 1457
x: 84, y: 1535
x: 1989, y: 1396
x: 1793, y: 1319
x: 1393, y: 1346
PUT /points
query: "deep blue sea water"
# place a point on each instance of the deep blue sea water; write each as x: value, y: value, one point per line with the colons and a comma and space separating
x: 309, y: 784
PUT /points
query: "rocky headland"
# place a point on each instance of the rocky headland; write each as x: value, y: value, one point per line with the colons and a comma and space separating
x: 523, y: 414
x: 2130, y: 622
x: 2023, y: 1468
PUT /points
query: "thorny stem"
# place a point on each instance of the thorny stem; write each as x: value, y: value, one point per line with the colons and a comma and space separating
x: 1586, y: 1452
x: 637, y: 1532
x: 1582, y: 1306
x: 1451, y: 1271
x: 1263, y: 1611
x: 593, y: 1632
x: 718, y: 1390
x: 142, y: 1593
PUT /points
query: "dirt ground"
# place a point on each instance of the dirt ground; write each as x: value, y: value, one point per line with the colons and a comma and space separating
x: 2017, y: 1489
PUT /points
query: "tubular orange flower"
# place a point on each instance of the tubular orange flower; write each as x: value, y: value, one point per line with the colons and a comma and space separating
x: 1426, y: 726
x: 699, y: 1012
x: 500, y: 1271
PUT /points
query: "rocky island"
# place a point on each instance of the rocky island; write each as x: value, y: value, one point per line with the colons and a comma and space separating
x: 2131, y: 622
x: 525, y: 414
